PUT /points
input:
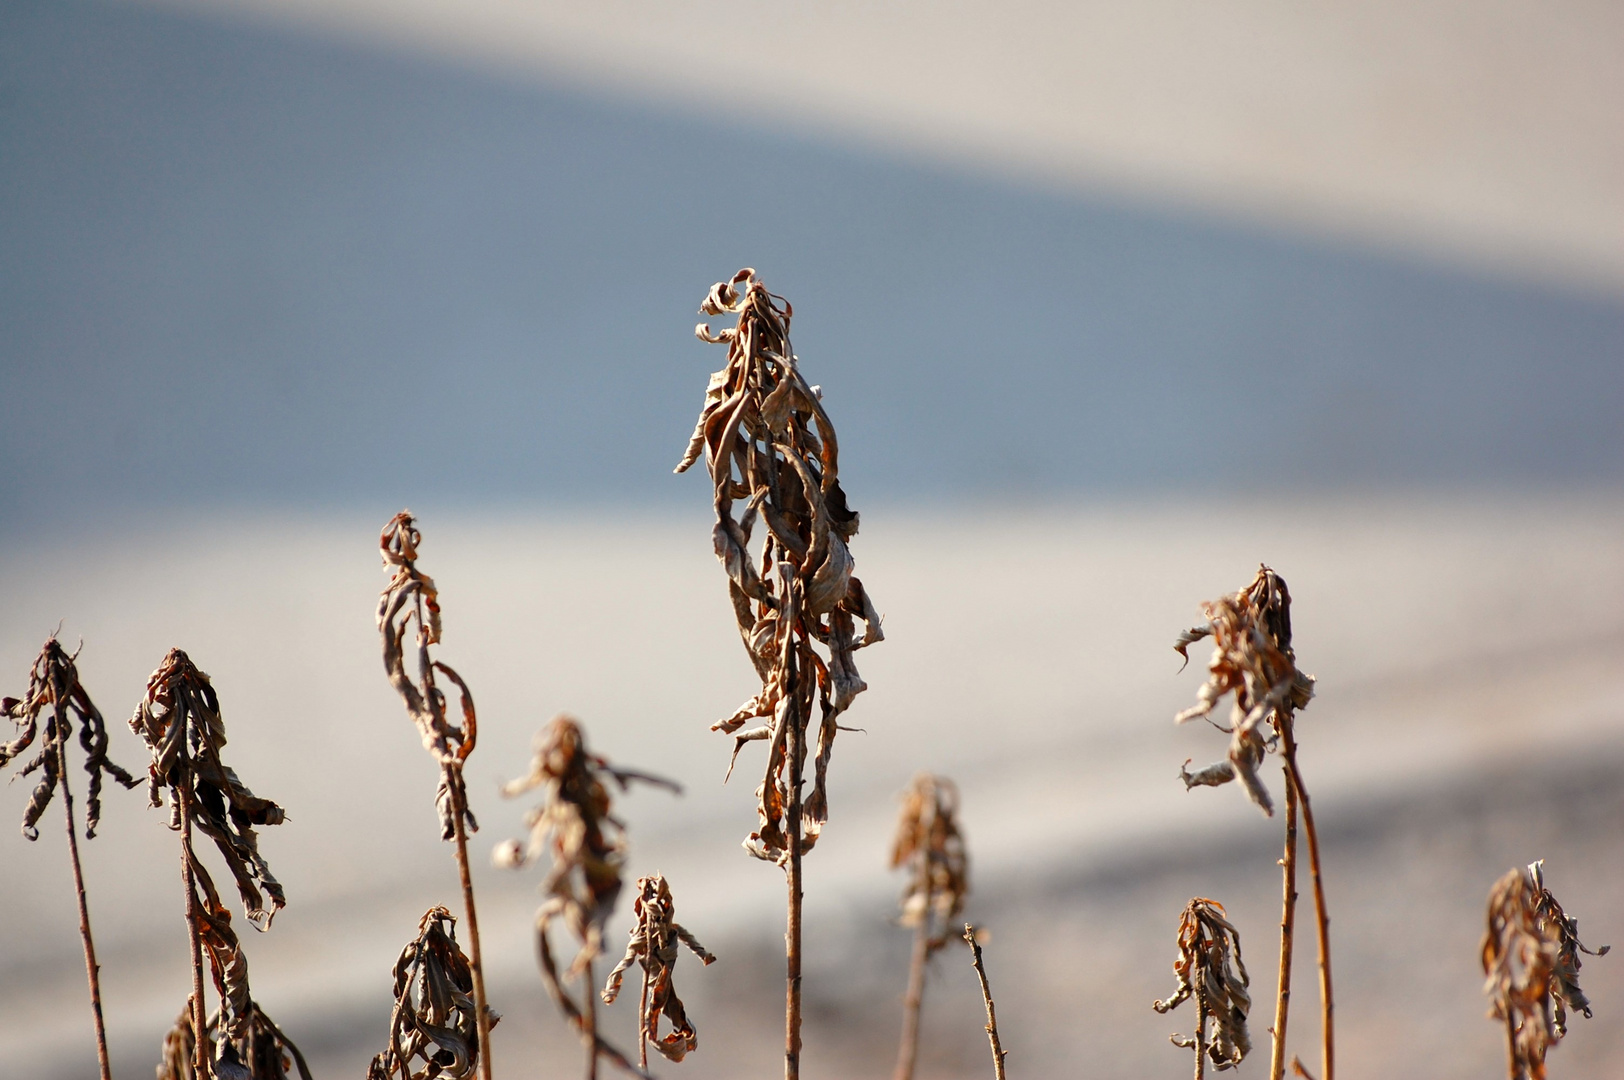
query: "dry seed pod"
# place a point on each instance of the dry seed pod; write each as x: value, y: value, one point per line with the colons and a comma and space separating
x: 432, y: 1030
x: 1252, y: 659
x: 928, y: 844
x: 265, y: 1054
x: 771, y: 449
x: 1531, y: 966
x: 1207, y: 943
x: 653, y: 945
x: 179, y: 720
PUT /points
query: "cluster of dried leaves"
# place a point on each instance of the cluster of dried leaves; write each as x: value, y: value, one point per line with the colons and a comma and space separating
x: 434, y: 1030
x: 1252, y: 659
x: 1531, y: 962
x: 1207, y: 942
x: 53, y: 684
x: 770, y: 446
x: 929, y: 845
x: 587, y: 844
x: 264, y: 1052
x: 412, y: 600
x: 653, y: 945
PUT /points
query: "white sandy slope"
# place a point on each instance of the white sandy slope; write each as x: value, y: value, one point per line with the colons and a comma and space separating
x: 1027, y: 655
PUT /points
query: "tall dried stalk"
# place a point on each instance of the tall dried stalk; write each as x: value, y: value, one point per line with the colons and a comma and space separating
x: 1253, y: 659
x: 653, y: 946
x: 587, y: 844
x: 1531, y: 964
x: 998, y: 1052
x: 767, y: 441
x: 53, y: 683
x: 433, y: 1029
x: 1207, y: 942
x: 179, y: 720
x: 928, y: 844
x: 410, y: 599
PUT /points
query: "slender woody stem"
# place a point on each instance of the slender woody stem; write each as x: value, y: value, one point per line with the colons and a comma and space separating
x: 792, y: 936
x: 908, y: 1052
x: 589, y: 1026
x: 1200, y: 1036
x: 642, y: 1001
x: 1288, y: 920
x: 1327, y: 1006
x: 1513, y: 1067
x: 459, y: 809
x: 986, y: 996
x: 92, y: 969
x: 200, y: 1056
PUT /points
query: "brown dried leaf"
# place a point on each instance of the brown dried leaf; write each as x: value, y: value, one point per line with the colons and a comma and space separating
x: 929, y: 845
x: 265, y: 1053
x: 433, y: 1031
x: 1207, y: 942
x: 653, y: 945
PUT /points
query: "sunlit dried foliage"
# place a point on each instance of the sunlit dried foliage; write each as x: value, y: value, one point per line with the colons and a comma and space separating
x: 1210, y: 969
x: 928, y: 844
x: 1252, y: 658
x: 432, y: 1031
x: 54, y: 692
x: 411, y: 600
x: 653, y: 946
x: 179, y: 720
x: 587, y: 843
x: 265, y: 1053
x: 1531, y: 963
x: 772, y: 452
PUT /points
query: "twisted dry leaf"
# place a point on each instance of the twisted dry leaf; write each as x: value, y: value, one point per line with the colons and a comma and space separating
x: 653, y: 945
x: 587, y: 844
x: 928, y: 843
x: 1531, y: 965
x: 432, y: 1031
x: 1207, y: 943
x: 265, y: 1053
x: 768, y: 442
x: 179, y: 720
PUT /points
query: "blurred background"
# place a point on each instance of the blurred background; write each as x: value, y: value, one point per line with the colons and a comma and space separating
x: 1109, y: 304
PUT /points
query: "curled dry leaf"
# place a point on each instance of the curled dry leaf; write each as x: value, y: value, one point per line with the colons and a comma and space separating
x: 1207, y: 944
x: 409, y: 601
x: 1253, y: 660
x: 587, y: 843
x: 653, y: 945
x: 1531, y: 965
x: 54, y: 692
x: 772, y: 453
x: 179, y: 720
x: 264, y: 1054
x: 929, y: 845
x: 432, y: 1030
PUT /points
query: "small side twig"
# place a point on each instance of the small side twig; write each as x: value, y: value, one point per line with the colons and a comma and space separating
x: 998, y: 1051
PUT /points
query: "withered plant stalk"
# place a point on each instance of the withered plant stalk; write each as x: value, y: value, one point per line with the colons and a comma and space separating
x: 54, y: 681
x: 194, y: 938
x: 1288, y: 926
x: 1322, y: 920
x: 929, y: 845
x: 986, y: 997
x: 767, y: 441
x: 653, y: 944
x: 1210, y: 970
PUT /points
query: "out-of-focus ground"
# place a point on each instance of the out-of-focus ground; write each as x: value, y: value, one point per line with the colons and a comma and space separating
x: 1470, y: 718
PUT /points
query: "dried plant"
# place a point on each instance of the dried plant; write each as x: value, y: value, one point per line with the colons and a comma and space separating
x: 54, y: 692
x: 772, y: 452
x: 653, y: 945
x: 587, y: 844
x: 1254, y: 661
x: 433, y: 1031
x: 265, y: 1053
x: 411, y: 600
x: 929, y: 846
x: 179, y: 720
x: 1531, y: 962
x: 1207, y: 944
x: 972, y: 938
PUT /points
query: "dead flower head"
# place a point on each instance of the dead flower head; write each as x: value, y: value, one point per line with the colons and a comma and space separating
x: 1253, y: 660
x: 54, y: 691
x: 574, y: 824
x: 772, y: 452
x: 1207, y: 942
x: 654, y: 945
x: 411, y: 600
x: 432, y: 1031
x: 179, y: 720
x: 928, y: 844
x: 266, y: 1053
x: 1531, y: 962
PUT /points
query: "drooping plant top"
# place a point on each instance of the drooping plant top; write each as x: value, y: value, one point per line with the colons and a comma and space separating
x: 653, y: 944
x: 55, y: 693
x: 1210, y: 969
x: 432, y: 1030
x: 411, y: 600
x: 1252, y: 659
x: 773, y: 455
x: 179, y: 720
x: 929, y: 845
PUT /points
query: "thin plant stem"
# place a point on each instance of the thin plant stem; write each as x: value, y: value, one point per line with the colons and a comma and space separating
x: 908, y: 1052
x: 642, y: 1003
x: 589, y: 1027
x: 792, y: 936
x: 92, y: 969
x: 199, y: 1016
x: 459, y: 810
x: 1288, y: 921
x: 992, y: 1016
x: 1513, y: 1066
x: 1327, y: 1005
x: 1200, y: 1033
